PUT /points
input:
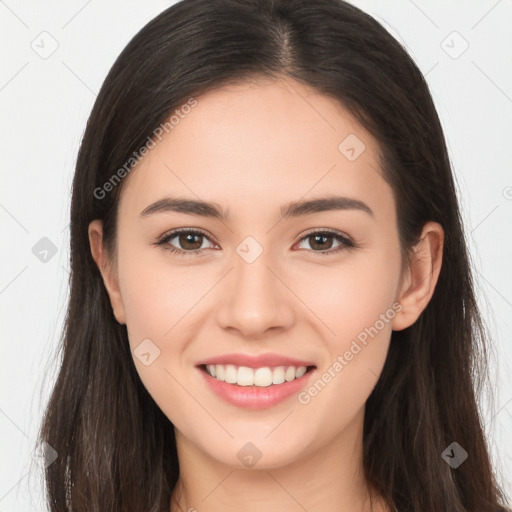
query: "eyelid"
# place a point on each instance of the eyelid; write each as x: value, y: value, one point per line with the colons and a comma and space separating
x: 325, y: 230
x: 177, y: 231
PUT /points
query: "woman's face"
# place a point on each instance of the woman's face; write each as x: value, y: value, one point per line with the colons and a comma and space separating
x: 265, y: 283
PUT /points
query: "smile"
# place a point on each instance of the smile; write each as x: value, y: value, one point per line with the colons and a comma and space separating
x: 255, y: 388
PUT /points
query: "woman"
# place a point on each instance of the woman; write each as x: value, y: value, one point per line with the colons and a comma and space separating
x: 271, y: 301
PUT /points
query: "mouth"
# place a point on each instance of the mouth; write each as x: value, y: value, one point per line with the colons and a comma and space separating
x: 255, y: 388
x: 244, y: 376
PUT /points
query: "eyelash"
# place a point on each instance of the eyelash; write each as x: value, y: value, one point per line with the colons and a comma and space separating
x: 346, y: 243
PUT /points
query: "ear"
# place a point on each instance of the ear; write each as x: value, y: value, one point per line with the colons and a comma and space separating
x: 422, y: 273
x: 106, y: 268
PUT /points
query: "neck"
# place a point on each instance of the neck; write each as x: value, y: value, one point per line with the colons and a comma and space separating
x: 328, y: 479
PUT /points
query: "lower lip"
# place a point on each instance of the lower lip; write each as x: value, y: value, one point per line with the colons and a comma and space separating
x: 253, y: 397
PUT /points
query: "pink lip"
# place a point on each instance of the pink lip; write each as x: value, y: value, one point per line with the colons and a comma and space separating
x: 260, y: 361
x: 253, y: 397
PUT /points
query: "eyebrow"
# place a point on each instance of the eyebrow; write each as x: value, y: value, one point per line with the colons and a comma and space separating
x: 293, y: 209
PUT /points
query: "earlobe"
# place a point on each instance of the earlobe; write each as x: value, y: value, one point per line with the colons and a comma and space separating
x: 424, y: 268
x: 106, y: 269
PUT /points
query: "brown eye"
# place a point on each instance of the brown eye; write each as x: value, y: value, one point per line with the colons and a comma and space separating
x: 190, y: 241
x: 185, y: 242
x: 322, y: 242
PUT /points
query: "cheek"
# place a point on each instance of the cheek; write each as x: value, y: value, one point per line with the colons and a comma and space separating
x: 350, y: 296
x: 158, y: 302
x: 357, y: 307
x: 156, y: 294
x: 152, y: 307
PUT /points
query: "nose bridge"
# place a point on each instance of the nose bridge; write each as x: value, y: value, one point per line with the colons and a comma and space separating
x: 256, y: 300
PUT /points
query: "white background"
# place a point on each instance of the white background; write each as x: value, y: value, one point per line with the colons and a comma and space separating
x: 44, y: 107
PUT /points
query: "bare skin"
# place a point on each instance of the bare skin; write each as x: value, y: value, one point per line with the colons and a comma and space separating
x: 253, y: 149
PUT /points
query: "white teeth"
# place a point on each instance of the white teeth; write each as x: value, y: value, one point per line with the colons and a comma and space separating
x: 278, y: 375
x: 231, y: 374
x: 260, y: 377
x: 263, y: 377
x: 220, y: 371
x: 245, y: 376
x: 300, y: 372
x: 290, y: 374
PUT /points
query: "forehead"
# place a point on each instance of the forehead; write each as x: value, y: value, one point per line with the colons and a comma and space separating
x: 251, y: 145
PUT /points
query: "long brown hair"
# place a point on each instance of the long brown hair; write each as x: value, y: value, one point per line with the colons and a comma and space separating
x: 116, y: 449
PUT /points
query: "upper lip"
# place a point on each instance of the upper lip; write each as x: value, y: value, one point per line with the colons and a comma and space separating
x: 259, y: 361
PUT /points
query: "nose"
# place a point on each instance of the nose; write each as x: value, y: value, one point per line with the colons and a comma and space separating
x: 255, y: 299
